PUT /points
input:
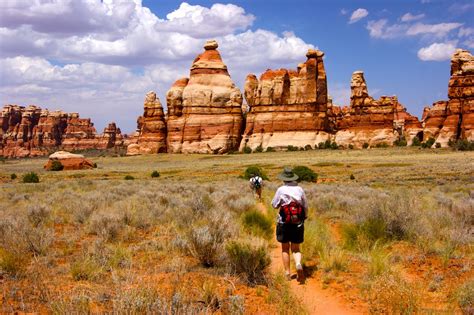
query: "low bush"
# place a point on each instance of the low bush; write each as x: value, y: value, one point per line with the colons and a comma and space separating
x: 13, y: 176
x: 379, y: 261
x: 363, y: 235
x: 155, y: 174
x: 365, y: 145
x: 464, y: 145
x: 465, y: 297
x: 270, y: 149
x: 31, y: 177
x: 129, y: 177
x: 401, y: 142
x: 334, y: 146
x: 256, y: 170
x: 85, y: 269
x: 351, y: 146
x: 382, y: 145
x: 437, y: 145
x: 428, y: 143
x: 249, y: 259
x: 259, y: 149
x: 38, y: 214
x: 390, y: 294
x: 332, y: 259
x: 12, y: 262
x: 308, y: 147
x: 352, y: 177
x: 106, y: 226
x: 416, y: 142
x: 256, y: 223
x: 305, y: 174
x: 317, y: 238
x: 56, y: 166
x: 292, y: 148
x: 247, y: 150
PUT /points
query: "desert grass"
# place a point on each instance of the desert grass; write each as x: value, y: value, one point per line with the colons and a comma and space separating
x: 92, y: 232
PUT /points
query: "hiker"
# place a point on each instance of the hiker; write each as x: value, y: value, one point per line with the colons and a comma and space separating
x: 291, y: 200
x: 256, y: 183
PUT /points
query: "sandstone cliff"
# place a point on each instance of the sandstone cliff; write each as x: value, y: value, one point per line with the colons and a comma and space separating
x: 372, y: 121
x: 288, y: 107
x: 32, y: 131
x: 204, y: 112
x: 151, y: 128
x: 454, y: 119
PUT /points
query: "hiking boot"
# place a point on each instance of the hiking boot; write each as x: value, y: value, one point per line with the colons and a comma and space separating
x: 299, y: 273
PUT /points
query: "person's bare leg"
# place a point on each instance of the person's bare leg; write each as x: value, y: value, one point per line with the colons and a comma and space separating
x: 295, y: 249
x: 285, y: 256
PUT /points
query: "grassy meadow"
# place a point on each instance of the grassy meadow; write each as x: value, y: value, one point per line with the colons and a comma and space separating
x: 390, y: 230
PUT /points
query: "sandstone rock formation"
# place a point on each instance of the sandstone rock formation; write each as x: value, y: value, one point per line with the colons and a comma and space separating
x: 151, y: 128
x: 454, y: 119
x: 204, y: 112
x: 69, y: 161
x: 372, y: 121
x: 288, y: 107
x: 32, y: 131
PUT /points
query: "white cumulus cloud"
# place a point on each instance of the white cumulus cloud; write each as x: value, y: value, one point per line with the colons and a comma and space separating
x: 357, y: 15
x: 408, y: 17
x: 440, y: 30
x: 437, y: 52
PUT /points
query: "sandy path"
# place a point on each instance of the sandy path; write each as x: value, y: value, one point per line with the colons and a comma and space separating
x: 315, y: 299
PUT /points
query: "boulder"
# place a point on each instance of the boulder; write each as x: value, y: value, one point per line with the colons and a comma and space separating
x: 69, y: 161
x: 204, y: 111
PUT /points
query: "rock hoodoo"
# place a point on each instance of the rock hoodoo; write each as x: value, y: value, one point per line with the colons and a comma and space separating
x: 288, y: 107
x: 32, y: 131
x: 451, y: 120
x: 372, y: 121
x: 204, y: 111
x: 151, y: 128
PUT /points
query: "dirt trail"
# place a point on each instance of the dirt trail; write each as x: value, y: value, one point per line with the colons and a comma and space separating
x: 315, y: 299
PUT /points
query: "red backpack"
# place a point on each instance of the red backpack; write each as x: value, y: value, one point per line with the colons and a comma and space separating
x: 292, y: 213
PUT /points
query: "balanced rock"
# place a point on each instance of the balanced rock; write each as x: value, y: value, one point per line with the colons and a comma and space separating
x: 451, y: 120
x: 372, y: 121
x: 151, y: 128
x: 69, y: 161
x: 287, y: 107
x: 204, y: 111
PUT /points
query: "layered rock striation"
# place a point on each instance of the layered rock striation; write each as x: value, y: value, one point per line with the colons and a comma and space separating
x: 31, y: 131
x: 204, y: 111
x: 372, y: 121
x: 151, y: 128
x: 452, y: 120
x: 288, y: 107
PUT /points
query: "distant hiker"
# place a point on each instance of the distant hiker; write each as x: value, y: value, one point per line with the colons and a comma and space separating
x: 256, y: 183
x: 291, y: 200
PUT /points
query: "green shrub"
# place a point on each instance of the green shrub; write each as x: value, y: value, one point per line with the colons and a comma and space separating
x: 351, y: 146
x: 95, y: 165
x: 129, y: 177
x: 317, y: 238
x: 292, y: 148
x: 416, y: 142
x: 155, y: 174
x: 464, y: 145
x: 428, y: 143
x: 382, y: 145
x: 352, y: 177
x: 270, y: 149
x: 13, y: 263
x: 56, y: 166
x: 401, y: 142
x: 259, y: 149
x: 379, y: 261
x: 332, y: 259
x: 249, y: 259
x: 308, y: 147
x: 365, y: 145
x: 437, y: 145
x: 327, y: 144
x: 85, y: 269
x: 305, y: 174
x: 321, y: 145
x: 365, y: 234
x: 247, y: 150
x: 3, y: 159
x: 334, y: 146
x: 257, y: 224
x: 13, y: 176
x: 256, y: 170
x: 465, y: 297
x: 31, y: 177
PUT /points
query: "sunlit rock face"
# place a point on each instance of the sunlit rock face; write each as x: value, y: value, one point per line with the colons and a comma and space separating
x: 372, y: 121
x: 287, y: 107
x: 31, y: 131
x: 204, y: 111
x: 454, y: 119
x: 151, y: 128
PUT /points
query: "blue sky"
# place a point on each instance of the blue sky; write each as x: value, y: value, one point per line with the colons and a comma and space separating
x: 99, y: 58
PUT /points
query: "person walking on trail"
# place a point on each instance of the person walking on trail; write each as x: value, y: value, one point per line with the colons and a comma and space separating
x: 291, y: 200
x: 256, y: 183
